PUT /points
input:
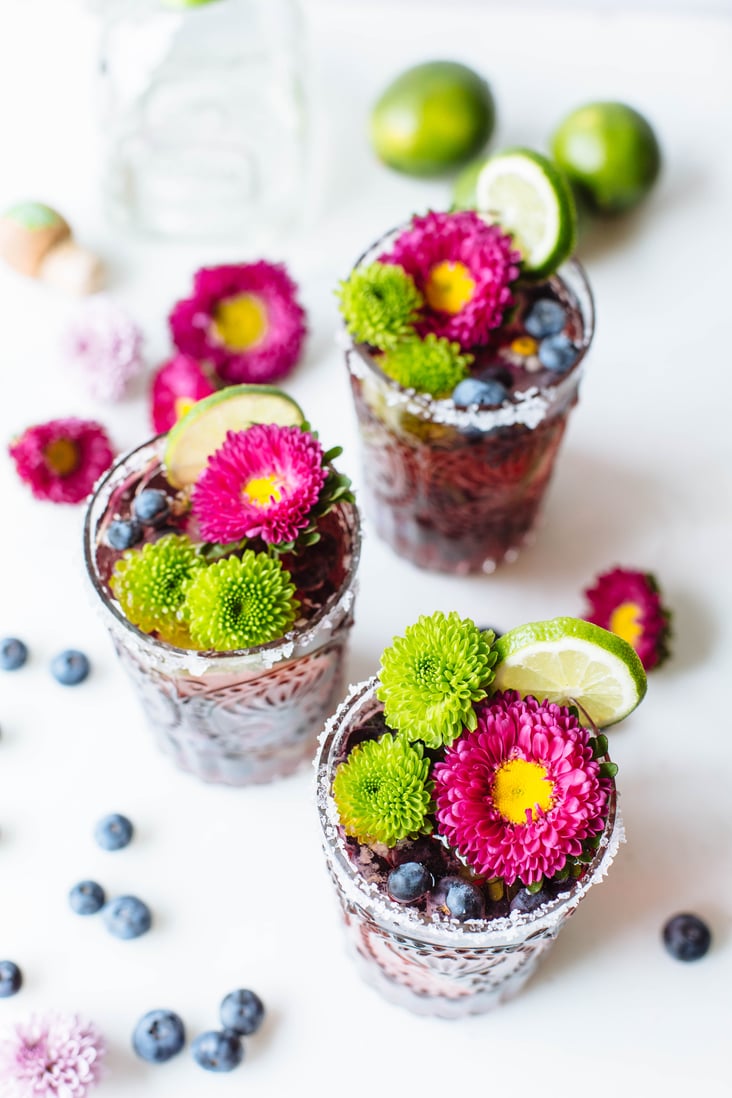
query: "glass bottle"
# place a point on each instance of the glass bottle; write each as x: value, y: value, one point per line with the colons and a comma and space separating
x: 203, y: 116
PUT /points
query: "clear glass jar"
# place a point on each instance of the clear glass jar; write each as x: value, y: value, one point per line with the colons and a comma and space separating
x: 203, y: 110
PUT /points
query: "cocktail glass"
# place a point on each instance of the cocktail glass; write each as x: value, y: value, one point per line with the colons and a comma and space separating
x: 240, y: 717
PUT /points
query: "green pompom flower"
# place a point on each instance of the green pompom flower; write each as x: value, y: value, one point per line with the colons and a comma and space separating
x: 149, y: 585
x: 240, y: 602
x: 380, y: 304
x: 431, y: 677
x: 382, y: 791
x: 431, y: 365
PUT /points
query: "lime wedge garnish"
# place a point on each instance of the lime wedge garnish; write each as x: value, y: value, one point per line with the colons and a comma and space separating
x: 527, y: 195
x: 201, y: 431
x: 567, y: 660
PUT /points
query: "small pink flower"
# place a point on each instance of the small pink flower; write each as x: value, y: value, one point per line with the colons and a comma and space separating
x: 242, y: 318
x: 628, y: 602
x: 176, y: 386
x: 521, y: 793
x: 62, y: 460
x: 262, y: 482
x: 463, y: 267
x: 106, y: 344
x: 51, y: 1056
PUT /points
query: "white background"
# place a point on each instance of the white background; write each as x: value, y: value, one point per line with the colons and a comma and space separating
x: 235, y: 878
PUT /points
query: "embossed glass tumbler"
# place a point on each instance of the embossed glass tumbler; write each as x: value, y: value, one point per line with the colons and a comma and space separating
x: 247, y: 716
x: 432, y: 965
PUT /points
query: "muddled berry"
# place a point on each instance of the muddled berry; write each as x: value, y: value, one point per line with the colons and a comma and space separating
x: 557, y: 353
x: 545, y: 317
x: 463, y: 900
x: 525, y: 901
x: 151, y: 506
x: 486, y: 394
x: 123, y: 533
x: 686, y: 937
x: 408, y: 881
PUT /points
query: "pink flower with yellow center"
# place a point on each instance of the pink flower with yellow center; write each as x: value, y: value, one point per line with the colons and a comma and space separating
x: 61, y: 460
x: 244, y: 319
x: 262, y: 482
x: 628, y: 602
x: 521, y: 793
x: 463, y: 267
x: 176, y: 386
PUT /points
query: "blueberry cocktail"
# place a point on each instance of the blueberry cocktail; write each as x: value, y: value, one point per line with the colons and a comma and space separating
x: 463, y: 372
x: 225, y: 555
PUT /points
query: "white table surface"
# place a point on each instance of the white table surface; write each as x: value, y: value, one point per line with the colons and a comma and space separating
x: 235, y: 878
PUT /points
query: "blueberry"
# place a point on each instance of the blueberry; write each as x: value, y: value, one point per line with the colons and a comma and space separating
x: 13, y: 653
x: 471, y: 390
x: 151, y: 506
x: 123, y: 533
x: 545, y: 317
x: 242, y: 1011
x: 525, y: 901
x: 11, y: 979
x: 686, y: 937
x: 70, y: 667
x: 113, y: 832
x: 158, y: 1036
x: 557, y: 353
x: 218, y: 1050
x: 127, y: 917
x: 464, y: 901
x: 409, y: 881
x: 86, y: 898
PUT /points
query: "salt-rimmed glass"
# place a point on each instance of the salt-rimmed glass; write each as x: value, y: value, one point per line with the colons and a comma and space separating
x: 435, y: 966
x: 240, y: 717
x: 459, y: 490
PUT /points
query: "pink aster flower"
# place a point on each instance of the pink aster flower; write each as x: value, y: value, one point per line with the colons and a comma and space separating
x: 463, y: 267
x: 61, y: 460
x: 244, y: 319
x: 262, y: 482
x: 176, y: 386
x: 628, y: 602
x: 522, y: 792
x: 106, y: 344
x: 52, y: 1056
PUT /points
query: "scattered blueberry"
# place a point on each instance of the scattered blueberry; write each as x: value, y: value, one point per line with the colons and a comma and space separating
x: 218, y: 1050
x: 686, y: 937
x: 463, y: 900
x: 557, y: 353
x: 70, y: 667
x: 127, y: 917
x: 158, y: 1036
x: 113, y: 832
x: 86, y: 898
x: 545, y: 317
x: 525, y: 901
x: 13, y: 653
x: 409, y: 881
x: 471, y: 390
x: 151, y: 506
x: 11, y: 979
x: 123, y: 533
x: 242, y: 1011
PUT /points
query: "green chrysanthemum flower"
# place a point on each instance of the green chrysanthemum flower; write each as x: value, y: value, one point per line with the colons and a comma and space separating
x: 380, y: 304
x: 149, y: 585
x: 382, y: 791
x: 431, y: 677
x: 431, y: 365
x: 240, y: 602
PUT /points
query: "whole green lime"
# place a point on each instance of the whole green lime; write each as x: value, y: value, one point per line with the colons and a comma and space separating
x: 610, y: 153
x: 431, y: 118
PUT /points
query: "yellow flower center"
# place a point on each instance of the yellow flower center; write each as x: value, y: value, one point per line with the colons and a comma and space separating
x: 62, y: 456
x: 240, y: 322
x: 525, y: 346
x: 449, y: 287
x: 182, y: 406
x: 264, y: 490
x: 520, y: 786
x: 625, y: 621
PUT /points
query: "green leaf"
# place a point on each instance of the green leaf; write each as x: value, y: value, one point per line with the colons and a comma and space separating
x: 608, y: 770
